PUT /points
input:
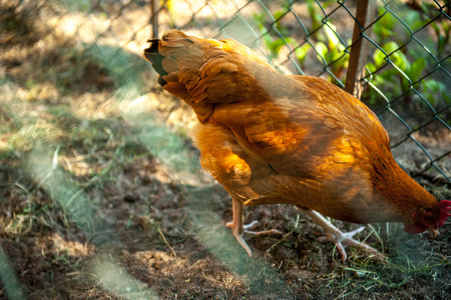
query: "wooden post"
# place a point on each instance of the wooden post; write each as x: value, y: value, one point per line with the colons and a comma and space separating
x: 154, y: 17
x: 357, y: 59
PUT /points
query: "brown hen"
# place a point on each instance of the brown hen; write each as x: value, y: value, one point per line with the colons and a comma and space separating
x: 269, y: 138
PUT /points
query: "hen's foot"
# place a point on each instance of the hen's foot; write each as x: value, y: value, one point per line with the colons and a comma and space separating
x: 238, y: 228
x: 340, y: 239
x: 248, y: 226
x: 237, y: 232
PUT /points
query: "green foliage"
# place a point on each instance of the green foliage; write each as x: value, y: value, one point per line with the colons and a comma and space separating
x: 402, y: 63
x: 404, y: 75
x: 273, y: 43
x: 331, y: 50
x: 384, y: 28
x: 324, y: 42
x: 315, y: 12
x: 443, y: 31
x: 301, y: 53
x: 431, y: 87
x: 81, y: 5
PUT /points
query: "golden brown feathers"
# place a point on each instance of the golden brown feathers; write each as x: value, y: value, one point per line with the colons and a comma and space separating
x: 271, y: 138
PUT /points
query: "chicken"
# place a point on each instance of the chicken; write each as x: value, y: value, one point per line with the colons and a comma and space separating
x: 270, y: 138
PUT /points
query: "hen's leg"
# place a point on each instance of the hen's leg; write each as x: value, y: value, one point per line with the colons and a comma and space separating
x: 340, y: 239
x: 237, y: 225
x: 238, y: 228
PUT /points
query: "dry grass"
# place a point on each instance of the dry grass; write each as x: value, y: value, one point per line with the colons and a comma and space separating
x: 103, y: 197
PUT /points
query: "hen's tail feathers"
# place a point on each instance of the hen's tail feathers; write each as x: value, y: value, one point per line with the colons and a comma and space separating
x: 169, y: 54
x: 176, y: 57
x: 152, y: 55
x: 206, y: 72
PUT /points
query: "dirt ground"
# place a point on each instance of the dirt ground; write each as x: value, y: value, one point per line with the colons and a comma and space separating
x: 102, y: 196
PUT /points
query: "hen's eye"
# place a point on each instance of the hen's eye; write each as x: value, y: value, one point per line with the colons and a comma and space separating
x: 428, y: 216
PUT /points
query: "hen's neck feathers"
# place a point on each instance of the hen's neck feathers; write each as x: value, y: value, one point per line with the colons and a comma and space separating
x: 397, y: 186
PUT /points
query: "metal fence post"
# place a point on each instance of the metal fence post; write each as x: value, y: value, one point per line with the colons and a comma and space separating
x: 154, y: 17
x: 357, y: 60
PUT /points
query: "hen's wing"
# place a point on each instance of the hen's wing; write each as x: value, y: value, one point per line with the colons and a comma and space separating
x: 300, y: 137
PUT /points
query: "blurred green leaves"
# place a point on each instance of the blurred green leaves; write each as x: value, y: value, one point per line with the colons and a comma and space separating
x: 404, y: 60
x: 402, y: 65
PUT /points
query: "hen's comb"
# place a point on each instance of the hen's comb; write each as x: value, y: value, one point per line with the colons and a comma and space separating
x: 445, y: 208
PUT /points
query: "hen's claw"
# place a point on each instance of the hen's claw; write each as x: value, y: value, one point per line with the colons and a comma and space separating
x: 237, y: 232
x: 238, y: 228
x: 340, y: 239
x: 270, y: 231
x: 343, y: 240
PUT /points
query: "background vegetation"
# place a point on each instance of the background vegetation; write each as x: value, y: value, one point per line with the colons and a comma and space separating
x: 101, y: 192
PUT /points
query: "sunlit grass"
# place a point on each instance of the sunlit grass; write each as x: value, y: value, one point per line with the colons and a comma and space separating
x: 74, y: 119
x: 119, y: 282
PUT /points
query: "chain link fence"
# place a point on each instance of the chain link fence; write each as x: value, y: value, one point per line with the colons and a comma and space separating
x: 407, y: 59
x: 394, y: 55
x: 403, y: 73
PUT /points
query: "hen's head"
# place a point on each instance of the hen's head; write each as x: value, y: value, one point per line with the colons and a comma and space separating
x: 429, y: 219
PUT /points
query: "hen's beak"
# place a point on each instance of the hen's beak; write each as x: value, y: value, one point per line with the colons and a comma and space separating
x: 433, y: 232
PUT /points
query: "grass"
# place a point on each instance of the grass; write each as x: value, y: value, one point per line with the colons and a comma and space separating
x: 100, y: 192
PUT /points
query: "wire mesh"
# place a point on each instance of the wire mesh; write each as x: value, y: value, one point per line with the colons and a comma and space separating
x: 407, y: 76
x: 408, y: 63
x: 407, y: 79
